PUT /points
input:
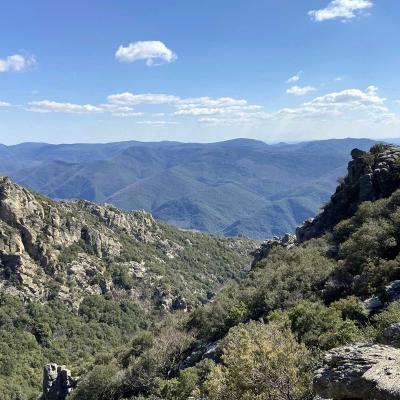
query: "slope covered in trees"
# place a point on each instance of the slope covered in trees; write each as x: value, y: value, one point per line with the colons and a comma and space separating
x: 263, y: 336
x: 235, y: 187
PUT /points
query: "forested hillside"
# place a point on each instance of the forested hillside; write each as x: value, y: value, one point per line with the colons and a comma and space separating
x: 79, y: 280
x: 264, y: 336
x: 236, y: 187
x: 261, y: 336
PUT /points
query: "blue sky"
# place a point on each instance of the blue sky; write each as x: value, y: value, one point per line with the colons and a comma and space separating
x: 98, y: 71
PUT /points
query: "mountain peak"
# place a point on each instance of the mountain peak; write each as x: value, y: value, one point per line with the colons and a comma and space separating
x: 370, y: 176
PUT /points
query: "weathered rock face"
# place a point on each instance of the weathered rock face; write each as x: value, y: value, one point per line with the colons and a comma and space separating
x: 57, y: 382
x: 370, y: 176
x: 35, y: 231
x: 68, y: 250
x: 262, y: 252
x: 359, y: 372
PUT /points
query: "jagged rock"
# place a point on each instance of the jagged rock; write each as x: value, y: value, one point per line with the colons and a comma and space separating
x: 361, y: 371
x: 391, y: 335
x: 287, y: 241
x: 57, y: 382
x: 373, y: 304
x: 392, y: 291
x: 171, y: 301
x: 201, y: 350
x: 370, y: 176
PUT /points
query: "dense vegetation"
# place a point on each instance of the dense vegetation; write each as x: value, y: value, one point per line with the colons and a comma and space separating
x: 272, y: 327
x: 260, y: 337
x: 235, y: 187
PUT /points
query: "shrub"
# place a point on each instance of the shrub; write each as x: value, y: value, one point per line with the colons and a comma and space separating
x: 261, y: 362
x: 321, y: 327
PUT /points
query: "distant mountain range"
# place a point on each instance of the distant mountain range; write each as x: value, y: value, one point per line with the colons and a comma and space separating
x: 237, y: 187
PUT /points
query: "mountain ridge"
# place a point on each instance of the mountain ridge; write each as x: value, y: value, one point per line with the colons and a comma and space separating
x: 169, y: 178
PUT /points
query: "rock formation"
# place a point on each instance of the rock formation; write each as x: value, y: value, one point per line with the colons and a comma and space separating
x: 57, y: 382
x: 371, y: 176
x: 67, y: 250
x: 286, y: 241
x: 361, y: 371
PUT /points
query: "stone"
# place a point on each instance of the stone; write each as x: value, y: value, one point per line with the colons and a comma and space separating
x: 391, y: 335
x: 392, y: 291
x: 362, y: 371
x: 287, y: 241
x: 370, y: 176
x: 373, y: 304
x: 57, y: 382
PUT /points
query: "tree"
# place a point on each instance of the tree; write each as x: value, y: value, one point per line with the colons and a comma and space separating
x: 261, y: 362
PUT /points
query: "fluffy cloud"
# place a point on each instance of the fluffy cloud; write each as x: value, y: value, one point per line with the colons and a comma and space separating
x: 45, y: 106
x: 147, y: 98
x: 347, y: 105
x: 185, y: 106
x: 49, y: 106
x: 343, y: 9
x: 300, y: 91
x: 4, y: 104
x: 294, y: 78
x: 157, y: 122
x: 338, y: 103
x: 153, y: 51
x: 16, y: 63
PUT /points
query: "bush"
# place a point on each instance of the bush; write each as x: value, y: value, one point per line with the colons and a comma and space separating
x: 321, y: 327
x: 262, y: 362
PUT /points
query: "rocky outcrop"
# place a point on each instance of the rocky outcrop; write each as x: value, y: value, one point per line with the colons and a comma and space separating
x: 391, y: 335
x: 68, y: 250
x: 370, y: 176
x: 57, y: 382
x: 286, y: 241
x: 389, y: 294
x: 361, y: 371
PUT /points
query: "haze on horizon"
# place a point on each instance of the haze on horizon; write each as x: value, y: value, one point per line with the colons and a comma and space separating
x: 198, y: 72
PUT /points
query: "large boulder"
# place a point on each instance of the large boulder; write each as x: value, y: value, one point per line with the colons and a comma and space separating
x: 57, y: 382
x: 362, y: 371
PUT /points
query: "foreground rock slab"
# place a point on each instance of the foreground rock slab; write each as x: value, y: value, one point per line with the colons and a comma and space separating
x: 362, y: 371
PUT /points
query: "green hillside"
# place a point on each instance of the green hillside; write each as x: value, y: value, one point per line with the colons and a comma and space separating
x: 233, y: 187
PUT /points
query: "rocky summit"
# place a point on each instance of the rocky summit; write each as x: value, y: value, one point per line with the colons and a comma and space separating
x: 68, y: 250
x: 370, y: 176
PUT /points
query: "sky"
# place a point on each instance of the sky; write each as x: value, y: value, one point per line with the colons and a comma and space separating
x: 274, y: 70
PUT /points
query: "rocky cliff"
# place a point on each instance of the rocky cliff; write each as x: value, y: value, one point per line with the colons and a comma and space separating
x: 67, y: 250
x: 371, y: 176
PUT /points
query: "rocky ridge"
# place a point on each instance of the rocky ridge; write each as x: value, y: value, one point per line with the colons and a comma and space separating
x: 370, y: 176
x: 68, y: 250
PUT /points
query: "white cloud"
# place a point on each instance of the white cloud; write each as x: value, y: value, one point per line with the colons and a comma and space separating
x: 4, y: 104
x: 196, y: 102
x: 294, y: 78
x: 336, y: 104
x: 49, y: 106
x: 300, y: 91
x: 153, y: 51
x: 16, y: 63
x: 157, y: 122
x: 348, y: 106
x: 351, y: 97
x: 148, y: 98
x: 343, y: 9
